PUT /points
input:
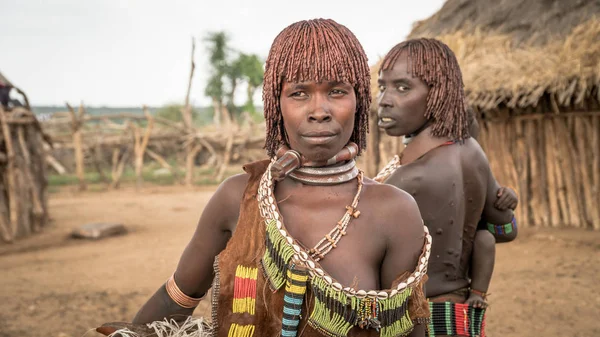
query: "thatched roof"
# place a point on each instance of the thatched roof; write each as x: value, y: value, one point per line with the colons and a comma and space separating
x: 523, y: 20
x: 514, y: 52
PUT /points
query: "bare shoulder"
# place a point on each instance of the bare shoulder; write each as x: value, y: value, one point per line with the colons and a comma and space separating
x: 232, y: 187
x: 396, y: 210
x: 475, y: 154
x: 417, y: 177
x: 445, y: 163
x: 401, y: 228
x: 224, y: 205
x: 386, y: 192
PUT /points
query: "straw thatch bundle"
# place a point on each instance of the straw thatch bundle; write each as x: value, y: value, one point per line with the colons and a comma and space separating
x: 531, y: 22
x: 496, y: 74
x: 532, y: 74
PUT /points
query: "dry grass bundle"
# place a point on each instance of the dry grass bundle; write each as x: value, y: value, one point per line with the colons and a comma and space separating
x: 494, y: 72
x: 534, y: 22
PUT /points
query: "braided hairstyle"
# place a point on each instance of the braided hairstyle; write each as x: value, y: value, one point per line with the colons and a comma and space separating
x: 315, y: 50
x: 435, y: 64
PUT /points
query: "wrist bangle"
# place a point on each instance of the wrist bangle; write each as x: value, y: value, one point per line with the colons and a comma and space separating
x: 477, y: 292
x: 179, y: 297
x: 503, y: 229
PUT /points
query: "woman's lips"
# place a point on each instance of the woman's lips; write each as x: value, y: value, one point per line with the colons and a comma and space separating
x: 319, y: 137
x: 386, y: 122
x: 319, y: 140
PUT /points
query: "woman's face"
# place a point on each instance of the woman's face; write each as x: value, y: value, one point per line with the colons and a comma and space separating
x: 402, y: 100
x: 318, y: 117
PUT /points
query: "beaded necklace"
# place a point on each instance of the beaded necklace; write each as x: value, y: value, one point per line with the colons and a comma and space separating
x: 336, y: 309
x: 396, y: 162
x: 276, y: 229
x: 331, y: 239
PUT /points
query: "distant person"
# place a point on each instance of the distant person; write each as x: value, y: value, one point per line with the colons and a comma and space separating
x: 448, y: 174
x: 484, y: 248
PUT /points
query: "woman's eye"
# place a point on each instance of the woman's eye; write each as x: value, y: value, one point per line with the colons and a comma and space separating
x: 402, y: 88
x: 381, y: 88
x: 338, y: 92
x: 298, y: 94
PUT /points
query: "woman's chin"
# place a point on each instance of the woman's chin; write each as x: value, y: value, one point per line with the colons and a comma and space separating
x: 320, y: 153
x: 394, y: 132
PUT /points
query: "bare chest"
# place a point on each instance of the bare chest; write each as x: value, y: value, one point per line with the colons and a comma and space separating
x: 311, y: 217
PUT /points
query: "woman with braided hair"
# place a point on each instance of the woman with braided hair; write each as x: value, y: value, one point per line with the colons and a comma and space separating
x: 484, y: 249
x: 303, y: 244
x: 422, y: 98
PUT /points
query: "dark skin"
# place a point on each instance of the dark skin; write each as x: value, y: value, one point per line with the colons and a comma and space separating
x: 482, y: 267
x: 319, y: 119
x: 453, y: 185
x: 484, y: 248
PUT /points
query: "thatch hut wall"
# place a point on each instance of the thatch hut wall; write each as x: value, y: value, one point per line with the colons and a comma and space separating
x: 537, y: 98
x: 23, y: 197
x: 552, y: 162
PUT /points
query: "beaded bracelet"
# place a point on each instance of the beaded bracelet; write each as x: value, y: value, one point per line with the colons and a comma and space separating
x: 179, y: 297
x: 477, y: 292
x: 503, y: 229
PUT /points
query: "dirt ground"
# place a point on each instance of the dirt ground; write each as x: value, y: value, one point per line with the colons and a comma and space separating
x: 545, y: 283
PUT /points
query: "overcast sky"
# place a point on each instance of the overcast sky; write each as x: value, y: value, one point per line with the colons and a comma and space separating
x: 133, y: 52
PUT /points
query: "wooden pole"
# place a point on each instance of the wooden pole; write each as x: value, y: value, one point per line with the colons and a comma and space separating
x: 159, y: 159
x: 522, y: 174
x: 118, y: 167
x: 138, y: 162
x: 11, y: 232
x: 583, y: 139
x: 96, y: 154
x: 140, y: 145
x: 227, y: 154
x: 568, y: 157
x: 561, y: 190
x: 535, y: 148
x: 596, y: 166
x: 5, y: 227
x: 192, y: 148
x: 217, y: 112
x: 509, y: 139
x: 539, y: 133
x: 56, y: 165
x: 77, y: 143
x: 38, y: 210
x: 187, y: 116
x: 551, y: 185
x: 493, y: 140
x: 115, y: 163
x: 189, y: 163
